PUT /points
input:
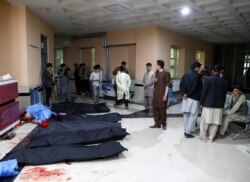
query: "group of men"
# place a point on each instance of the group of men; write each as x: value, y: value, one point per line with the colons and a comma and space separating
x: 210, y: 94
x: 61, y: 79
x: 207, y: 93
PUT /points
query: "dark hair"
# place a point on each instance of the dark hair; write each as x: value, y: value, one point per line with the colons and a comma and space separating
x: 75, y: 64
x: 204, y: 72
x: 49, y: 65
x: 217, y: 68
x: 195, y: 65
x: 160, y: 63
x: 62, y: 65
x: 98, y: 66
x: 238, y: 87
x: 123, y: 63
x: 148, y: 64
x: 122, y: 69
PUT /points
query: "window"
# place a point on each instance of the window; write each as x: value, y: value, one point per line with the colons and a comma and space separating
x: 58, y: 59
x: 246, y: 64
x: 174, y: 58
x: 200, y: 56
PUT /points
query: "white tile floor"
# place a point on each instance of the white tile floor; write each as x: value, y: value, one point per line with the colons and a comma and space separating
x: 153, y: 156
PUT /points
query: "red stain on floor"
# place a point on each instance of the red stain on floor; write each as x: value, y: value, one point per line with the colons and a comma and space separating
x: 43, y: 174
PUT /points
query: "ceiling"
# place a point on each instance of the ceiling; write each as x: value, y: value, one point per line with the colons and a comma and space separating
x: 210, y: 20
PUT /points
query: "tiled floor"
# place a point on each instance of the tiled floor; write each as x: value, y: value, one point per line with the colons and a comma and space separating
x: 153, y: 155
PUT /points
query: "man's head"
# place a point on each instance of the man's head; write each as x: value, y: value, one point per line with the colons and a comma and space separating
x: 196, y: 66
x: 75, y: 65
x: 49, y: 67
x: 237, y: 90
x: 123, y: 64
x: 98, y: 66
x: 122, y: 68
x: 159, y: 64
x: 148, y: 67
x: 62, y: 65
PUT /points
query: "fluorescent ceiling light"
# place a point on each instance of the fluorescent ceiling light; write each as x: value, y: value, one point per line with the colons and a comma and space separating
x: 185, y: 11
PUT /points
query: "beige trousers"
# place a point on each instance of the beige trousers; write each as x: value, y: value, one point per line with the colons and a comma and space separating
x: 226, y: 120
x: 210, y: 128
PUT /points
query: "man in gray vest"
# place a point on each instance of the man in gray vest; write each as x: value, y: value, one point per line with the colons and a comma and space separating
x: 235, y: 109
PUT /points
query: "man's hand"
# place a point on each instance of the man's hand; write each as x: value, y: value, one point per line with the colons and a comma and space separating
x: 155, y: 80
x: 224, y: 114
x: 145, y: 86
x: 164, y: 98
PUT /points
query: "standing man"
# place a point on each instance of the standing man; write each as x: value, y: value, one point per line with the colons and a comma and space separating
x: 64, y: 84
x: 160, y: 95
x: 123, y: 82
x: 86, y: 80
x: 115, y: 72
x: 148, y: 84
x: 47, y: 81
x: 77, y: 78
x: 190, y: 87
x: 213, y: 97
x: 235, y: 109
x: 96, y: 79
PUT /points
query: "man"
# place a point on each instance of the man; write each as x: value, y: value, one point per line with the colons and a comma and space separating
x: 235, y: 109
x: 161, y: 85
x: 47, y: 82
x: 86, y: 80
x: 96, y: 79
x: 148, y: 84
x: 81, y: 76
x: 77, y: 78
x: 190, y: 87
x: 64, y: 84
x: 123, y: 83
x: 123, y: 64
x: 115, y: 72
x: 212, y: 99
x: 59, y: 76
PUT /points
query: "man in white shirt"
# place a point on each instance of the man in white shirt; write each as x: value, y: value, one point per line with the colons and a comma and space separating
x: 148, y: 84
x: 96, y: 79
x: 123, y: 82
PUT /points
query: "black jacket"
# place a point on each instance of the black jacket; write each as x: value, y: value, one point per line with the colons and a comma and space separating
x: 191, y: 85
x: 214, y: 92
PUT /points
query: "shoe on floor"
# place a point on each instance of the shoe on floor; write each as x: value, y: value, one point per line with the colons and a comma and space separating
x: 155, y: 126
x: 203, y: 138
x: 164, y: 127
x: 220, y: 136
x: 210, y: 140
x: 127, y: 108
x: 188, y: 135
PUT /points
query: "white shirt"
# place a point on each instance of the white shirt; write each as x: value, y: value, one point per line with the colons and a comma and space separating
x: 96, y: 78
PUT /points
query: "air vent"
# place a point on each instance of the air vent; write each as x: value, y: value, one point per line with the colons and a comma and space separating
x: 116, y: 8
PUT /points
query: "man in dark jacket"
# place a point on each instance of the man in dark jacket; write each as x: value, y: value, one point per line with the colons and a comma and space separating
x: 190, y: 87
x: 77, y: 79
x: 47, y: 81
x: 212, y: 99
